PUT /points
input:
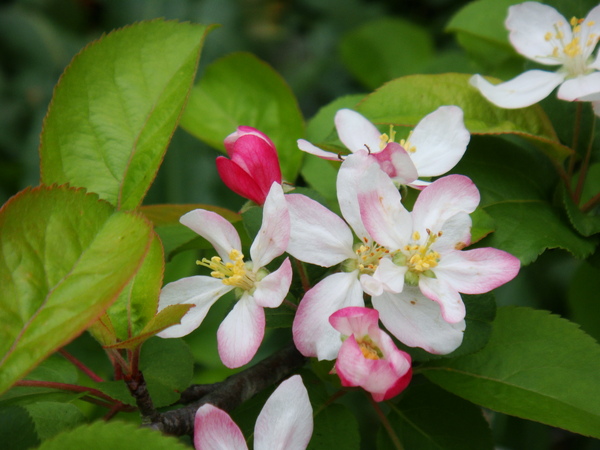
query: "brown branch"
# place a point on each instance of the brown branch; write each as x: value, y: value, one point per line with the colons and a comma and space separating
x: 232, y: 392
x: 139, y: 390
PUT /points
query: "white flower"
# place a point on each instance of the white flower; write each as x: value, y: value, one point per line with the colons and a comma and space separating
x: 542, y: 34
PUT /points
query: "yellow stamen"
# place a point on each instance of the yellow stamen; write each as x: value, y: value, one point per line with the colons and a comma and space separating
x: 231, y: 273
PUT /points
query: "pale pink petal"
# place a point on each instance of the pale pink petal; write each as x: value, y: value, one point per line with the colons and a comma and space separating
x: 417, y: 321
x: 307, y: 147
x: 440, y: 139
x: 354, y: 320
x: 396, y: 163
x: 356, y: 132
x: 272, y: 289
x: 456, y: 234
x: 241, y: 333
x: 313, y: 334
x: 199, y: 290
x: 274, y: 234
x: 215, y: 229
x: 390, y: 275
x: 525, y: 90
x: 239, y: 181
x: 582, y: 88
x: 477, y: 271
x: 286, y: 420
x: 215, y: 430
x: 529, y: 23
x: 354, y: 173
x: 441, y: 200
x: 382, y: 213
x: 451, y: 304
x: 317, y: 236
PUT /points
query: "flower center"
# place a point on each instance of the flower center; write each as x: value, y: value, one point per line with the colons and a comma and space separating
x: 236, y: 273
x: 368, y: 255
x: 418, y: 257
x: 368, y: 348
x: 384, y: 140
x: 574, y: 53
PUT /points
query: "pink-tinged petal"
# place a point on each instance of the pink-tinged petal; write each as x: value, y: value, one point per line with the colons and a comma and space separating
x: 241, y: 333
x: 242, y: 131
x: 440, y: 139
x: 396, y: 163
x: 529, y: 23
x: 525, y: 90
x: 239, y: 181
x: 272, y: 289
x: 313, y: 334
x: 353, y: 173
x: 583, y: 88
x: 356, y: 132
x: 199, y: 290
x: 441, y: 200
x: 215, y: 430
x: 215, y: 229
x: 286, y: 420
x: 382, y: 213
x: 456, y: 234
x: 451, y: 304
x: 274, y: 234
x: 417, y: 321
x: 317, y: 235
x: 477, y: 271
x: 259, y: 159
x: 307, y: 147
x: 390, y: 275
x: 354, y: 320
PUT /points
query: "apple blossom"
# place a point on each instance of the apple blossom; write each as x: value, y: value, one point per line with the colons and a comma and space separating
x: 368, y: 357
x: 426, y: 254
x: 242, y: 331
x: 542, y: 34
x: 253, y: 166
x: 434, y: 147
x: 284, y: 423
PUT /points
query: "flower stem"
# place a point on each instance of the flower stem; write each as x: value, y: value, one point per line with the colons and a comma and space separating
x: 89, y: 372
x: 591, y: 203
x: 67, y: 387
x: 387, y: 425
x: 302, y: 274
x: 585, y: 165
x: 576, y: 131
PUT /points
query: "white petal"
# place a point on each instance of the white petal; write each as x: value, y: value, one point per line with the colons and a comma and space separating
x: 441, y: 140
x: 456, y: 234
x: 201, y: 291
x: 441, y: 200
x: 215, y: 430
x: 215, y: 229
x: 272, y: 289
x: 451, y: 304
x: 317, y: 236
x: 274, y: 234
x: 417, y: 321
x: 356, y: 132
x: 241, y: 333
x: 526, y: 89
x: 582, y: 88
x: 382, y: 212
x: 307, y: 147
x: 353, y: 174
x: 590, y: 28
x: 390, y: 275
x: 529, y: 23
x: 596, y: 108
x: 313, y: 334
x: 286, y: 420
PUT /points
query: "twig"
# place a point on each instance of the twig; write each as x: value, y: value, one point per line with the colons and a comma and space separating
x: 85, y: 369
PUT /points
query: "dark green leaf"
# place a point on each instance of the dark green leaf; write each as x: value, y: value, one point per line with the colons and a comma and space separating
x: 583, y: 299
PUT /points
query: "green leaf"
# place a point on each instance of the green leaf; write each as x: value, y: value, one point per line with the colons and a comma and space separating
x: 386, y: 48
x: 483, y: 224
x: 240, y: 89
x: 116, y: 107
x: 321, y: 127
x: 66, y: 256
x: 168, y: 367
x: 334, y: 427
x: 50, y: 418
x: 114, y: 435
x: 17, y: 430
x: 586, y: 224
x: 429, y: 418
x: 402, y: 102
x: 536, y: 366
x: 583, y: 299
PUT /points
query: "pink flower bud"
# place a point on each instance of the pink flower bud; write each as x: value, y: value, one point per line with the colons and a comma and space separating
x: 253, y: 166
